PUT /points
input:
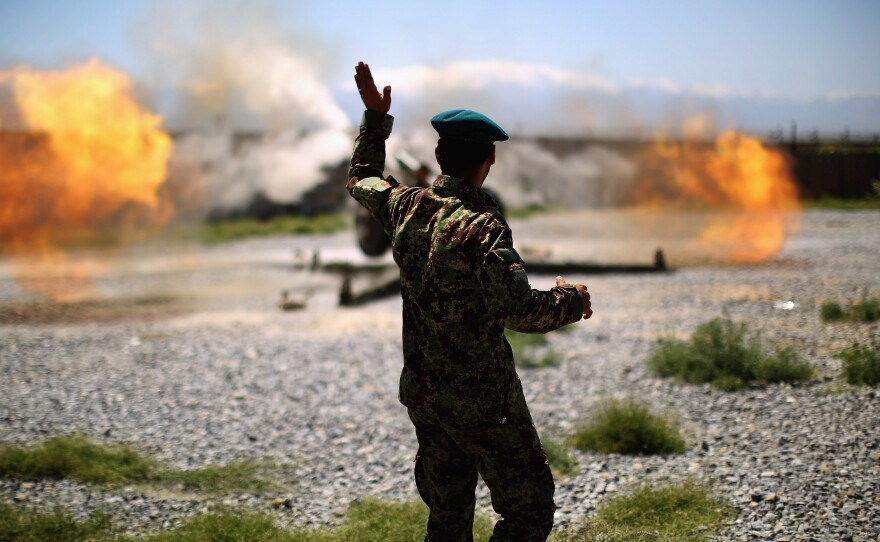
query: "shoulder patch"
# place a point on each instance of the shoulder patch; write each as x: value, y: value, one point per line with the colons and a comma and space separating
x: 377, y: 184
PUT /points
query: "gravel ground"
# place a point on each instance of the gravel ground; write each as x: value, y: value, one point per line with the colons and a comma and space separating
x: 222, y: 374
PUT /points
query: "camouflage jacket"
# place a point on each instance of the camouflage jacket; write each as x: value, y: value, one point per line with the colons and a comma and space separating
x: 462, y: 283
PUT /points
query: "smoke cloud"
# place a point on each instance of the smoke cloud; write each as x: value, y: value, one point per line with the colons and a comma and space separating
x: 241, y: 72
x: 256, y: 117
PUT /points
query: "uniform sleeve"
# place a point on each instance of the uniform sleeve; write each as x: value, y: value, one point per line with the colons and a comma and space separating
x: 365, y: 181
x: 510, y: 298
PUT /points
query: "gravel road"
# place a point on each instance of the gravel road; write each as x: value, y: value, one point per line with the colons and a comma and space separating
x: 184, y: 354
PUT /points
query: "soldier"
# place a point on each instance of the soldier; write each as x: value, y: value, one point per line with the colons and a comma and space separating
x: 462, y: 283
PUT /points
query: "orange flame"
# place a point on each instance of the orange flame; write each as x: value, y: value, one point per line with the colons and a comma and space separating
x: 736, y: 173
x: 80, y: 162
x: 85, y: 157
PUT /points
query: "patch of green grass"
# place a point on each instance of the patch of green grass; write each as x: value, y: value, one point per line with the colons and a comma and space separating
x: 531, y: 350
x: 559, y: 457
x: 683, y: 512
x: 231, y: 230
x: 831, y: 311
x: 368, y: 520
x: 784, y: 366
x: 371, y: 520
x: 76, y: 457
x: 227, y: 526
x: 21, y: 526
x: 871, y: 201
x: 238, y: 476
x: 839, y: 204
x: 862, y: 363
x: 628, y: 427
x: 723, y: 353
x: 867, y: 310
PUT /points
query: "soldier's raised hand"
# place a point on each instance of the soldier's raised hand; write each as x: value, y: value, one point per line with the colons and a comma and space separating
x: 585, y: 295
x: 368, y: 91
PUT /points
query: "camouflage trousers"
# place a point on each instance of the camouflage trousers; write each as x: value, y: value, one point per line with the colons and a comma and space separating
x: 511, y: 461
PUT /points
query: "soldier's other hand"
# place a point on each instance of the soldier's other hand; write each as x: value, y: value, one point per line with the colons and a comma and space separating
x: 585, y: 295
x: 370, y: 95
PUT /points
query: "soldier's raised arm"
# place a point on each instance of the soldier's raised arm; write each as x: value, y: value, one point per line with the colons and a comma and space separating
x: 366, y: 183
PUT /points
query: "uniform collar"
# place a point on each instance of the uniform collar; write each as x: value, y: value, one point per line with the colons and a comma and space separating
x: 457, y: 186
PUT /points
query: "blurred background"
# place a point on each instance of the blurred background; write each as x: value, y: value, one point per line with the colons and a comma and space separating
x: 120, y: 119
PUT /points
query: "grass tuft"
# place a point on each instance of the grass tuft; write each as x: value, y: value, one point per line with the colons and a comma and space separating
x: 235, y: 477
x: 58, y: 526
x: 721, y: 352
x: 862, y: 363
x: 831, y: 311
x: 628, y: 427
x: 532, y: 350
x: 367, y: 520
x: 683, y: 512
x: 785, y: 366
x: 77, y: 458
x: 867, y: 310
x: 559, y: 457
x: 226, y: 526
x: 371, y: 520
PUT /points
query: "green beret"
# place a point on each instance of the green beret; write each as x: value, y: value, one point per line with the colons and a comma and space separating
x: 468, y: 125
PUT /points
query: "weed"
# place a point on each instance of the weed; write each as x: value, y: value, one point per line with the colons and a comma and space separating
x: 785, y: 366
x: 628, y: 427
x: 531, y: 350
x: 721, y: 352
x: 226, y: 525
x: 683, y: 512
x: 371, y: 520
x: 559, y: 457
x: 367, y: 520
x: 862, y: 363
x: 238, y: 476
x: 867, y: 310
x: 57, y: 526
x: 831, y: 311
x: 76, y: 457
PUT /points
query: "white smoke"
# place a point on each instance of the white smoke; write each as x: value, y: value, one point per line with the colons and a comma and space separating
x: 239, y: 71
x: 257, y: 119
x: 528, y: 174
x: 525, y: 173
x: 303, y: 130
x: 274, y: 82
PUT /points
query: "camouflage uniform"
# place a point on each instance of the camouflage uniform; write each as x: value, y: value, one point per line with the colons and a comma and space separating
x: 462, y: 283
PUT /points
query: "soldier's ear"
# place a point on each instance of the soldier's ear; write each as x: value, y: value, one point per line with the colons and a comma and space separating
x: 492, y: 156
x: 437, y: 156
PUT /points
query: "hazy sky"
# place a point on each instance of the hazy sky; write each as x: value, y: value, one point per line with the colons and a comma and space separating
x: 796, y: 50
